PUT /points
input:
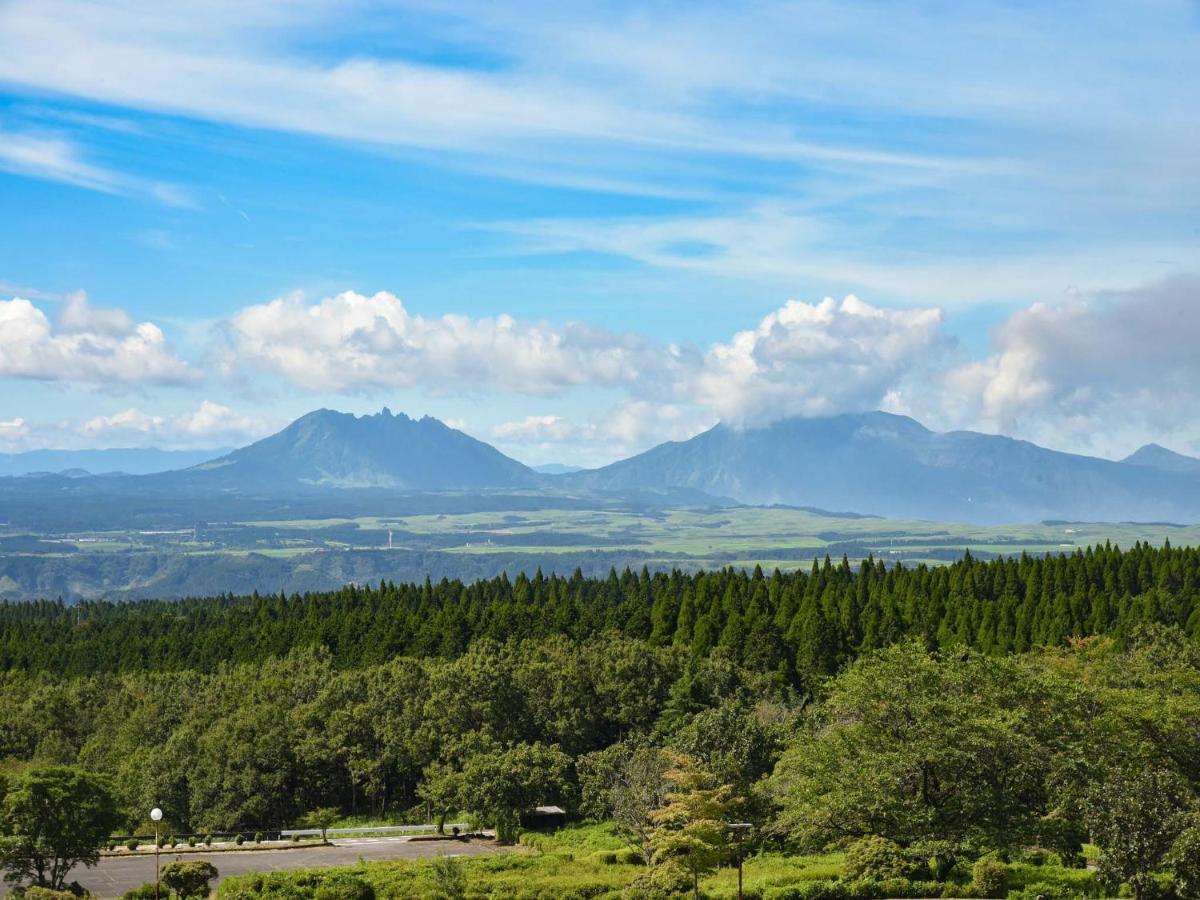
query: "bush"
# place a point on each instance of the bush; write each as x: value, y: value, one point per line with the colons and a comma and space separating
x: 131, y: 844
x: 989, y: 878
x: 631, y: 858
x: 258, y: 837
x: 344, y: 886
x: 295, y: 838
x: 192, y: 840
x: 112, y: 845
x: 661, y: 882
x: 605, y: 857
x: 449, y: 878
x: 812, y: 890
x: 145, y: 892
x: 208, y: 840
x: 189, y: 879
x: 239, y: 840
x: 877, y: 858
x: 43, y: 893
x: 1043, y: 890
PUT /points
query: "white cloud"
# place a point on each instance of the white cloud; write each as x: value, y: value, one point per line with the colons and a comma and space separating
x: 85, y: 345
x: 210, y: 424
x: 13, y: 434
x: 352, y: 342
x: 815, y: 359
x: 54, y: 158
x: 626, y: 428
x: 1099, y: 372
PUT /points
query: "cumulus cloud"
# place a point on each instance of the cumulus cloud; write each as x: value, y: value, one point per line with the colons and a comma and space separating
x: 1091, y: 372
x: 208, y: 425
x: 352, y: 341
x: 85, y: 344
x: 815, y: 359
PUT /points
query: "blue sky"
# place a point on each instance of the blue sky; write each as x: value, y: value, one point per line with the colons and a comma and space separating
x: 576, y: 230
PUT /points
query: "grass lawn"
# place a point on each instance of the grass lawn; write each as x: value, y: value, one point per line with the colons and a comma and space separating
x: 590, y: 861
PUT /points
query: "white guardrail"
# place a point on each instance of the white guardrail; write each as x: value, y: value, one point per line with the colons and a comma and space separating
x: 372, y: 829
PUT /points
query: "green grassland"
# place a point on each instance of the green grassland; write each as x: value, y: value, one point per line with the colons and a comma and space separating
x: 308, y: 553
x: 591, y: 861
x: 753, y: 534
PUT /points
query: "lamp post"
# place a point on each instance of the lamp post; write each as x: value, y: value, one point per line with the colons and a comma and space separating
x: 156, y: 815
x: 739, y: 830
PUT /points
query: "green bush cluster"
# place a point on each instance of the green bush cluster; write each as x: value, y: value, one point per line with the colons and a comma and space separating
x: 43, y: 893
x: 989, y: 878
x: 863, y: 889
x: 879, y: 859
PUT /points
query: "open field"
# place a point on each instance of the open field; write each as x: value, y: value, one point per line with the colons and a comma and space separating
x: 591, y: 861
x: 314, y: 553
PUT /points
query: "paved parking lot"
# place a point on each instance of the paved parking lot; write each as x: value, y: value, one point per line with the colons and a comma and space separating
x: 115, y: 875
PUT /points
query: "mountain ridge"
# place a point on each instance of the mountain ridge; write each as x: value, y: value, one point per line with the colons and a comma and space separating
x: 893, y: 466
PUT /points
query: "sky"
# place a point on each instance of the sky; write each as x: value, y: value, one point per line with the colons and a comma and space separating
x: 578, y: 230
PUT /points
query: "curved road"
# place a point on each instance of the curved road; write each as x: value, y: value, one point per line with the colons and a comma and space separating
x: 116, y: 874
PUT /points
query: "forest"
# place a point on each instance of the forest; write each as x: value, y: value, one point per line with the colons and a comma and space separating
x: 800, y: 626
x: 917, y: 718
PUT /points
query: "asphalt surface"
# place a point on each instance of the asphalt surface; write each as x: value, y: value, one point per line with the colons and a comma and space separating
x: 115, y: 874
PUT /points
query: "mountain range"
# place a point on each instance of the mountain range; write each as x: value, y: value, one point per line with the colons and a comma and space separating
x: 893, y: 466
x: 874, y: 463
x: 124, y: 460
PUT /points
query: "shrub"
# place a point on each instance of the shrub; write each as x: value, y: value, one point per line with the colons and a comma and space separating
x: 145, y: 892
x: 989, y: 878
x: 344, y: 886
x: 605, y: 857
x: 258, y: 837
x: 131, y: 844
x: 192, y: 840
x: 659, y: 883
x: 189, y: 879
x: 112, y: 845
x: 813, y: 890
x: 43, y: 893
x: 878, y: 858
x: 239, y: 840
x: 295, y: 838
x: 1043, y: 890
x: 449, y: 878
x: 631, y: 858
x: 208, y: 840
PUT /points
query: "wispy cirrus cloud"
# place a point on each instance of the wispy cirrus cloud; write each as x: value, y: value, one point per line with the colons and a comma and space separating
x: 55, y: 158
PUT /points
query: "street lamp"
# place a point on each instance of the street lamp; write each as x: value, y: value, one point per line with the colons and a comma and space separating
x: 739, y: 830
x: 156, y: 815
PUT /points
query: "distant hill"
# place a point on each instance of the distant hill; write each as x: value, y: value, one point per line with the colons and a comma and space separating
x: 893, y: 466
x: 1156, y: 457
x: 130, y: 460
x: 556, y: 469
x: 339, y: 450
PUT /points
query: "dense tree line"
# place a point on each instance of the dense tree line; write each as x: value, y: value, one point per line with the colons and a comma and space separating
x: 803, y: 625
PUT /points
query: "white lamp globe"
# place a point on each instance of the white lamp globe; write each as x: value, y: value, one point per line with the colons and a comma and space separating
x: 156, y: 814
